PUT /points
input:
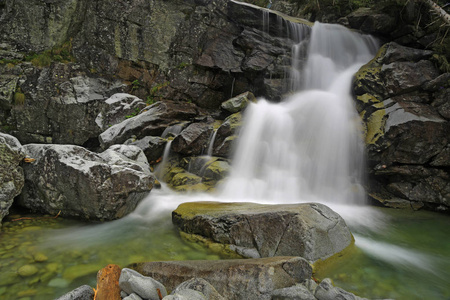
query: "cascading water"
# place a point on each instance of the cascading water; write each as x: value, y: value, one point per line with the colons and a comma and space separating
x: 307, y: 148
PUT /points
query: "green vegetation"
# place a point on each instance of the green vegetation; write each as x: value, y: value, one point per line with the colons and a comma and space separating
x: 19, y: 98
x: 136, y: 84
x: 133, y: 114
x: 155, y: 93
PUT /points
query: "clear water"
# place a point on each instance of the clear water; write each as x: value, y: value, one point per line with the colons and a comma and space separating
x: 407, y: 259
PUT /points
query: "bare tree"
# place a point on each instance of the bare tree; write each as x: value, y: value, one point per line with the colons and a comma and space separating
x: 435, y: 8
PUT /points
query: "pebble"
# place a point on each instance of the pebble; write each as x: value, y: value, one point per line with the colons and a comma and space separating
x: 27, y: 270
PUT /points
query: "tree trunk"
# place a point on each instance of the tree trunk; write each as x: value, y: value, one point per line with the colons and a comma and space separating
x: 443, y: 15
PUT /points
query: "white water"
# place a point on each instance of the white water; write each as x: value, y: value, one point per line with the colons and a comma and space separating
x: 309, y: 147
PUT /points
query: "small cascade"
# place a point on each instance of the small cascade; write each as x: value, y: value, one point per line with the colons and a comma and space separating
x: 159, y: 171
x: 209, y: 152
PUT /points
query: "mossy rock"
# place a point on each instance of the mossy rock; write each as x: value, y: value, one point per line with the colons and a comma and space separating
x: 185, y: 178
x: 217, y: 170
x: 198, y: 187
x: 27, y: 270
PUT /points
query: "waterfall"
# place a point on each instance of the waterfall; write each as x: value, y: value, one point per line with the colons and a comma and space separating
x: 309, y: 147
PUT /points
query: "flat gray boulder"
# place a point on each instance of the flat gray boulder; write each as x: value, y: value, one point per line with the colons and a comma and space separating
x: 250, y: 279
x: 83, y: 184
x: 309, y: 230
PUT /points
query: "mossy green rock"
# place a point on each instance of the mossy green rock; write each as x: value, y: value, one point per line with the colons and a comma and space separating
x: 27, y: 270
x: 238, y: 103
x: 312, y: 231
x: 185, y: 178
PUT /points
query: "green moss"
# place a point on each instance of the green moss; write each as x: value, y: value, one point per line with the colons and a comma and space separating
x: 223, y: 250
x: 19, y: 98
x: 61, y: 54
x: 375, y: 125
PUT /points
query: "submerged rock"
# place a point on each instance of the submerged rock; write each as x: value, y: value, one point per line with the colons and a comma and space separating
x: 250, y: 279
x: 11, y: 174
x: 83, y: 184
x: 309, y: 230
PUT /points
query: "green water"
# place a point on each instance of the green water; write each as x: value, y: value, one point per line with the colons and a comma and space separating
x: 409, y: 258
x: 59, y: 266
x: 65, y: 254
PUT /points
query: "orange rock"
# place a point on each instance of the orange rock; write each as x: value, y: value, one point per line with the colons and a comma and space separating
x: 108, y: 283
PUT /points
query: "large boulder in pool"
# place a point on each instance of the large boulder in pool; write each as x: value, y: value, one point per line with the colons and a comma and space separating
x: 83, y: 184
x: 11, y: 174
x: 309, y: 230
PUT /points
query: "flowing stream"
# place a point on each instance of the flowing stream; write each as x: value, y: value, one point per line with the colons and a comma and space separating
x: 307, y: 148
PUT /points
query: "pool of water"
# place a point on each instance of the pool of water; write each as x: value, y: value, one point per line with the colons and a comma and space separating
x: 42, y: 259
x: 407, y: 257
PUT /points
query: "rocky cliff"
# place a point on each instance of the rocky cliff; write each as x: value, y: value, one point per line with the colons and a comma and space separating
x: 67, y: 69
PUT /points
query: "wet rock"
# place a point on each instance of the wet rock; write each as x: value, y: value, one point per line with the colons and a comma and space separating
x: 261, y: 276
x: 200, y: 285
x: 153, y: 147
x: 238, y: 103
x: 400, y: 96
x: 151, y: 122
x: 193, y: 140
x: 312, y: 231
x: 186, y: 294
x: 132, y: 296
x: 296, y: 292
x: 326, y: 291
x: 83, y: 184
x: 146, y: 287
x: 84, y: 292
x: 226, y: 135
x: 11, y: 174
x: 117, y: 108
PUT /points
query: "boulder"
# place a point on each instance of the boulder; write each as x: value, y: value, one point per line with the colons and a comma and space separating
x: 309, y: 230
x: 145, y: 287
x: 83, y: 184
x: 153, y: 147
x: 234, y: 278
x: 71, y: 103
x: 193, y: 140
x: 199, y: 285
x: 295, y: 292
x: 400, y: 97
x: 238, y: 103
x: 84, y: 292
x: 151, y: 122
x: 226, y: 135
x: 11, y: 174
x: 326, y: 291
x: 117, y: 108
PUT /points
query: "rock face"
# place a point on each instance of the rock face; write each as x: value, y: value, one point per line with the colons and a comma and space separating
x: 11, y: 174
x: 233, y: 279
x: 151, y: 122
x: 83, y: 184
x: 312, y: 231
x: 400, y: 98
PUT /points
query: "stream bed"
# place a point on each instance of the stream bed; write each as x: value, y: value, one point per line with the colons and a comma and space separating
x: 43, y: 258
